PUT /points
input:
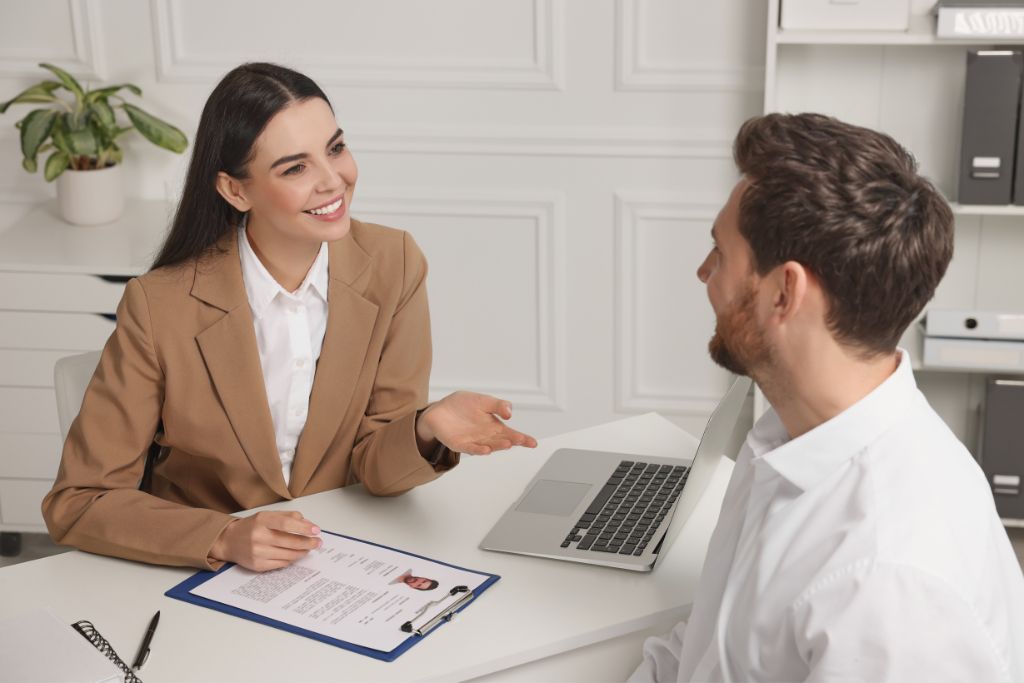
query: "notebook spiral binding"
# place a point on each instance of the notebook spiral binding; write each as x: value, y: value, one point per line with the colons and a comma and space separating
x: 90, y: 633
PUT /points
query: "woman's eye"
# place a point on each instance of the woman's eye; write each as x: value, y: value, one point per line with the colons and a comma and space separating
x: 338, y: 148
x: 294, y: 169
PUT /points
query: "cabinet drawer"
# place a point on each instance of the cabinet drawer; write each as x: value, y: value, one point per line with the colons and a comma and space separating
x: 58, y: 292
x: 28, y: 409
x: 65, y: 331
x: 28, y: 368
x: 21, y: 500
x: 29, y: 456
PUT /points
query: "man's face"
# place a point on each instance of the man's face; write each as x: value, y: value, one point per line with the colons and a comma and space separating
x: 738, y: 344
x: 419, y: 583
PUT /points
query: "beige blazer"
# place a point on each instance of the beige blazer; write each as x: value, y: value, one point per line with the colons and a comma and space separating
x: 184, y: 355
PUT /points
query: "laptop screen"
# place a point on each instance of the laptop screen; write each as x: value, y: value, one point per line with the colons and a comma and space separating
x: 723, y: 435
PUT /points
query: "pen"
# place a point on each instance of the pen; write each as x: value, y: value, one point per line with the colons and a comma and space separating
x: 143, y: 654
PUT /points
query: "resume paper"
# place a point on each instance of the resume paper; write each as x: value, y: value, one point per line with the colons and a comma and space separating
x: 348, y: 590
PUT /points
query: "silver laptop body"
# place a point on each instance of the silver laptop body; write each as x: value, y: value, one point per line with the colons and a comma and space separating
x: 573, y: 484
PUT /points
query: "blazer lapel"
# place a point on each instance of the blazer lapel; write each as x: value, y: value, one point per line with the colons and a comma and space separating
x: 233, y: 360
x: 350, y: 324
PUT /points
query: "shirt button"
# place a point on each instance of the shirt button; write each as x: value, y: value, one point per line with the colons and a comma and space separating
x: 300, y: 362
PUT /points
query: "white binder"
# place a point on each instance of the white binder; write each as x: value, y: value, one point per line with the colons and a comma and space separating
x: 967, y: 324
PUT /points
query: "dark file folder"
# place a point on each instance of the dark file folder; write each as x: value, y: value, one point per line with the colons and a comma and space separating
x: 991, y: 100
x: 1002, y: 445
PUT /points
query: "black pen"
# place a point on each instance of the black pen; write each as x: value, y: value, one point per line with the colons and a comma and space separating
x: 143, y: 655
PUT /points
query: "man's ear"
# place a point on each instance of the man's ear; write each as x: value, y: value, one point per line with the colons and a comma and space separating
x: 233, y: 192
x: 789, y: 284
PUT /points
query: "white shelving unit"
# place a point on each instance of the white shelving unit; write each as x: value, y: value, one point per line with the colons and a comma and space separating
x: 985, y: 210
x: 59, y: 289
x: 910, y: 85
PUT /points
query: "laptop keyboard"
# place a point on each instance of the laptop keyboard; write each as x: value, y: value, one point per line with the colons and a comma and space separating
x: 625, y: 515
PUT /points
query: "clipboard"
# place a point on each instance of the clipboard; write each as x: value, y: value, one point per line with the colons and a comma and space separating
x: 433, y: 614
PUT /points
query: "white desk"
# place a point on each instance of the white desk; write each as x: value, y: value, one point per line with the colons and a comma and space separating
x: 538, y: 609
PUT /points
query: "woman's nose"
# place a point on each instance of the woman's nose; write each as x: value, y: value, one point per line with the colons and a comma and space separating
x: 329, y: 178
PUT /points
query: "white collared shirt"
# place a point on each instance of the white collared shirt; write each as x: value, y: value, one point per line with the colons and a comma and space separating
x: 290, y: 329
x: 868, y: 549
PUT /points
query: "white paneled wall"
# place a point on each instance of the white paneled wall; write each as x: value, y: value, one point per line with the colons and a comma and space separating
x: 559, y: 161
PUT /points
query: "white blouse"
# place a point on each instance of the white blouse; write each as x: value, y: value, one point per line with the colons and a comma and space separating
x: 290, y: 329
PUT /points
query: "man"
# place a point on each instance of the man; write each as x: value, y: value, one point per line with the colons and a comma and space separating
x: 858, y: 539
x: 419, y: 583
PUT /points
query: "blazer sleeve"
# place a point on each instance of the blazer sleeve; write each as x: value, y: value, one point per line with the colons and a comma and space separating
x: 95, y: 504
x: 386, y: 458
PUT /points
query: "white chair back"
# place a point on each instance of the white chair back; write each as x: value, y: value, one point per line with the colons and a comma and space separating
x: 71, y: 376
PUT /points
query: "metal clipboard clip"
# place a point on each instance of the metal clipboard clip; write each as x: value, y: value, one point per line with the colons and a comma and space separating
x: 444, y: 615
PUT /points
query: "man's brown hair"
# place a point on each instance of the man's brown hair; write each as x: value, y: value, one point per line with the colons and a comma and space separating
x: 848, y: 204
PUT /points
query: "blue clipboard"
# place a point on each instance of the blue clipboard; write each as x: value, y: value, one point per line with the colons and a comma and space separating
x: 181, y: 592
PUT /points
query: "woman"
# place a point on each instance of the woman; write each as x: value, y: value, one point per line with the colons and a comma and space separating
x: 277, y: 348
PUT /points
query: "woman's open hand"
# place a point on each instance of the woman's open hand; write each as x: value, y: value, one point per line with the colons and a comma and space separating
x: 471, y: 423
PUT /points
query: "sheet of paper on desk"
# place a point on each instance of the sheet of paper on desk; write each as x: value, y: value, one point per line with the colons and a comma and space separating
x: 346, y: 589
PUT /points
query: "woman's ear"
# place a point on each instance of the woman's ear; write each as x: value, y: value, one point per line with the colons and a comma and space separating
x: 233, y: 192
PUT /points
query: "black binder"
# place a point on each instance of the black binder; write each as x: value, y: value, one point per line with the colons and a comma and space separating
x: 991, y: 100
x: 1002, y: 445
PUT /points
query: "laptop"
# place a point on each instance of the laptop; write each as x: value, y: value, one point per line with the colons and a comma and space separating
x: 615, y: 509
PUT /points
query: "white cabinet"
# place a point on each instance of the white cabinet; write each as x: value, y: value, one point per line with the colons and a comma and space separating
x: 910, y: 85
x: 59, y: 289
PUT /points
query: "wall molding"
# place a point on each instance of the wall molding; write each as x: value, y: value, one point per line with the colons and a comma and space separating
x: 546, y: 212
x: 631, y: 208
x: 562, y: 140
x: 544, y: 71
x: 636, y: 71
x: 88, y: 62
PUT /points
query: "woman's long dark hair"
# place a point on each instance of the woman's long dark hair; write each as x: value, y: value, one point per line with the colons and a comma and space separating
x: 237, y: 111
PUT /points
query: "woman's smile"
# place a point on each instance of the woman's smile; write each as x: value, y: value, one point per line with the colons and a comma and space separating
x: 331, y: 211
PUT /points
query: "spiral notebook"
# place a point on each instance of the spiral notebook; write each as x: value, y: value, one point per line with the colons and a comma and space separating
x: 89, y: 632
x: 37, y: 647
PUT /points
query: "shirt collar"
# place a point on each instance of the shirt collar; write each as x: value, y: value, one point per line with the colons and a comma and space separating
x: 260, y: 286
x: 809, y: 458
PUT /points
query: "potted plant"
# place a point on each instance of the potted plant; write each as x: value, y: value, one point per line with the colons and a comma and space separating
x: 81, y: 138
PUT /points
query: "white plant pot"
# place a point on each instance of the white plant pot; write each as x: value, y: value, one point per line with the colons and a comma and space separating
x: 91, y: 197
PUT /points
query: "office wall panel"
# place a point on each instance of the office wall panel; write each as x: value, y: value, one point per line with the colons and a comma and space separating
x: 454, y: 43
x: 670, y: 45
x: 496, y: 261
x: 61, y: 32
x: 663, y: 317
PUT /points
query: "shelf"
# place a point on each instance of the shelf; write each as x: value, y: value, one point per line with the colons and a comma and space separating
x: 921, y: 32
x: 986, y: 210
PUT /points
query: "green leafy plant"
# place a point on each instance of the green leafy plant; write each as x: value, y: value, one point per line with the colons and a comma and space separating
x: 82, y: 134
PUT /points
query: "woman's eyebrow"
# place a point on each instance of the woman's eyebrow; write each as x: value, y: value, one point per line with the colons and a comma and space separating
x: 302, y: 155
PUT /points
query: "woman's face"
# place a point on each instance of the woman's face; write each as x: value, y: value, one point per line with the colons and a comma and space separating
x: 301, y: 177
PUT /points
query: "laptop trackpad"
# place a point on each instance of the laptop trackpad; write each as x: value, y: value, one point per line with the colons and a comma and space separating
x: 551, y: 497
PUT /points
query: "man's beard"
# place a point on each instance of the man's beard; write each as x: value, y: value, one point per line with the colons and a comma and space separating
x: 739, y: 345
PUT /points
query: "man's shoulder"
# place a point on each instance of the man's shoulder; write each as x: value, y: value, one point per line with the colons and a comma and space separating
x: 931, y: 501
x: 920, y: 453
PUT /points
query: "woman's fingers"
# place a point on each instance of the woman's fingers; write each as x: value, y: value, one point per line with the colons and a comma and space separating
x: 494, y: 406
x: 291, y: 522
x: 283, y: 554
x: 290, y: 541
